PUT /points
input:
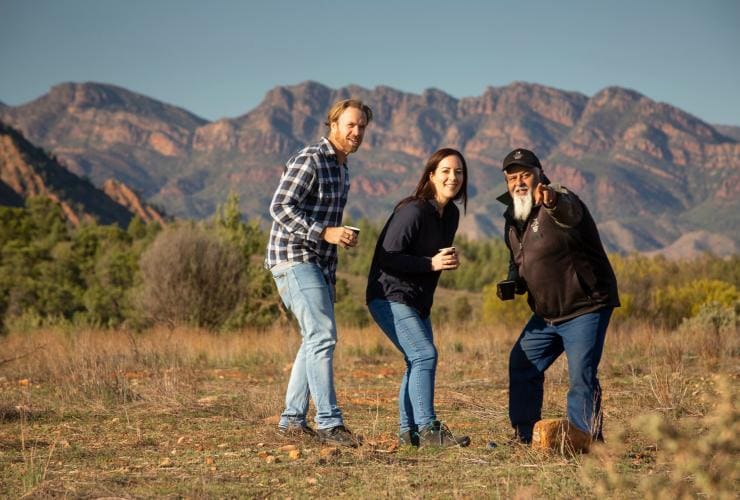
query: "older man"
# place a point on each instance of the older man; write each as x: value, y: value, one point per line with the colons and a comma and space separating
x: 307, y: 227
x: 558, y: 259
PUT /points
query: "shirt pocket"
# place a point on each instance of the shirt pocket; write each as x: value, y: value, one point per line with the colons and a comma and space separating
x: 329, y: 189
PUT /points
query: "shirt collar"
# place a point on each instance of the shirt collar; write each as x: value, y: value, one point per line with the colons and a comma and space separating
x: 326, y: 148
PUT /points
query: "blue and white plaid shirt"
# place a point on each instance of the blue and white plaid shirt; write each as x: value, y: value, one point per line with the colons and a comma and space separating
x: 311, y: 196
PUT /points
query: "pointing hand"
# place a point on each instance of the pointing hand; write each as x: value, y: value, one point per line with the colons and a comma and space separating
x: 545, y: 195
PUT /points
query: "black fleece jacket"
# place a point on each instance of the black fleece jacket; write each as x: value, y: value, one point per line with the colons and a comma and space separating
x: 401, y: 270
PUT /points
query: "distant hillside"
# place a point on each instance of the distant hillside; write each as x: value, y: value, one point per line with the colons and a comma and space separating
x: 8, y: 197
x: 729, y: 131
x: 126, y: 197
x: 104, y: 131
x: 26, y: 170
x: 649, y: 172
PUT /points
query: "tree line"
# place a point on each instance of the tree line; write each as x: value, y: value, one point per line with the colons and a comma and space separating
x: 209, y: 274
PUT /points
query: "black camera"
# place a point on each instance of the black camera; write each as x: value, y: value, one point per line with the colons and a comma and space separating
x: 505, y: 289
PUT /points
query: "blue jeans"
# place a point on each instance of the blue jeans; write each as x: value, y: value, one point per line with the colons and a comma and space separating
x: 540, y: 344
x: 413, y: 337
x: 307, y: 294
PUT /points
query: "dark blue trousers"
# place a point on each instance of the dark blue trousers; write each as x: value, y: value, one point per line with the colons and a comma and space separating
x: 540, y: 344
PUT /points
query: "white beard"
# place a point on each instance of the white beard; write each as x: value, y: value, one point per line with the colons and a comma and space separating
x: 522, y: 206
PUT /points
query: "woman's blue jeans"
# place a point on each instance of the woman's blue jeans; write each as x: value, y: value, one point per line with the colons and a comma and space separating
x: 412, y: 335
x: 540, y: 344
x: 307, y: 294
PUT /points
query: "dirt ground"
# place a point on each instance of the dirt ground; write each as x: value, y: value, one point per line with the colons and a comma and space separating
x: 184, y: 413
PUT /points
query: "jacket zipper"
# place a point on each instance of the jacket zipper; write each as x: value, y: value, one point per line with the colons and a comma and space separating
x: 521, y: 249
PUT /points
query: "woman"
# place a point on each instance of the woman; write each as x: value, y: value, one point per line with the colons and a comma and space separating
x: 412, y: 250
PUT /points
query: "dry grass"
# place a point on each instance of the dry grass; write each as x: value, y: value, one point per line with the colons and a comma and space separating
x: 188, y: 413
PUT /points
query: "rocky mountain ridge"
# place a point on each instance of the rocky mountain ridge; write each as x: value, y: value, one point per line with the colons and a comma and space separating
x: 648, y: 171
x: 26, y: 170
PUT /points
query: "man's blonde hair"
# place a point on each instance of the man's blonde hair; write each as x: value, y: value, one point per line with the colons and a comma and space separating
x: 339, y: 106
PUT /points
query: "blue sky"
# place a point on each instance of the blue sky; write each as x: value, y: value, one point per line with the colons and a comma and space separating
x: 219, y: 58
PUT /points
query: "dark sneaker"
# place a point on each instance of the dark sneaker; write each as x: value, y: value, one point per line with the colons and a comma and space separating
x: 297, y: 431
x: 408, y: 438
x: 338, y: 435
x: 438, y: 435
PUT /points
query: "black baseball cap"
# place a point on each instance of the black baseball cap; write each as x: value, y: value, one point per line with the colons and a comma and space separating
x: 523, y: 157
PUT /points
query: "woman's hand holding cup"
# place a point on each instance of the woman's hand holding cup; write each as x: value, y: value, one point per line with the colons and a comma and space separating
x: 445, y: 260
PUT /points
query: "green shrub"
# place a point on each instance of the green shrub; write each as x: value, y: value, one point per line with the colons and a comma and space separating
x: 191, y: 277
x: 349, y: 310
x: 259, y: 304
x: 510, y: 313
x: 713, y: 317
x: 462, y: 311
x: 674, y: 303
x: 699, y: 461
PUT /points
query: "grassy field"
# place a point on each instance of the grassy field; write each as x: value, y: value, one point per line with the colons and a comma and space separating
x: 184, y: 413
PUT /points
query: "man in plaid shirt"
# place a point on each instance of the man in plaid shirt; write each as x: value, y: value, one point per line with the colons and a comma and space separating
x: 302, y: 256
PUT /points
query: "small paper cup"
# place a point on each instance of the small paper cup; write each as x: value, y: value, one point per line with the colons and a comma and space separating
x: 354, y: 229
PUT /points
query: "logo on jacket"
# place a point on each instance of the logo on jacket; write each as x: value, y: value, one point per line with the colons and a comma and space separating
x: 535, y: 226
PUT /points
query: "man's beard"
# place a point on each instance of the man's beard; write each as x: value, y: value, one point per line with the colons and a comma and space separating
x: 522, y: 206
x: 349, y: 146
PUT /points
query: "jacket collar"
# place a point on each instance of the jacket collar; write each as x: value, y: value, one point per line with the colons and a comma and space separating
x: 506, y: 199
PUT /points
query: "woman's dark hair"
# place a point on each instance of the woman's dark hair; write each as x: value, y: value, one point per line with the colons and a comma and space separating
x: 425, y: 188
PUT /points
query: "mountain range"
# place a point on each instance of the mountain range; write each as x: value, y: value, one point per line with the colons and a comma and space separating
x: 26, y: 170
x: 655, y: 177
